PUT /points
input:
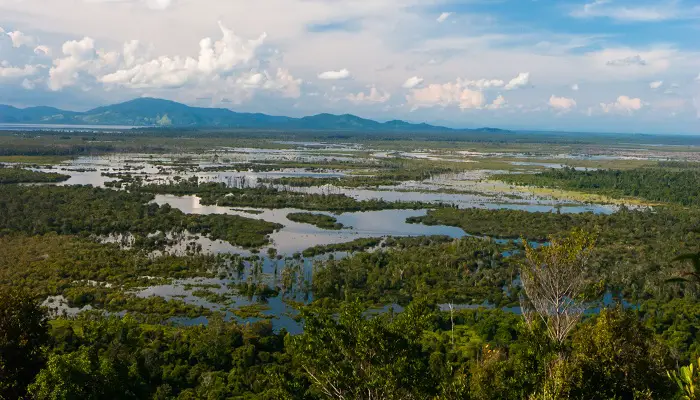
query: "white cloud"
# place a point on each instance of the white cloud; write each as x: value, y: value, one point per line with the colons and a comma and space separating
x: 215, y: 58
x: 374, y: 96
x: 334, y: 75
x: 19, y: 39
x: 284, y: 83
x: 78, y: 56
x: 522, y: 80
x: 42, y: 50
x: 628, y: 61
x: 8, y: 71
x: 27, y: 84
x: 656, y: 84
x: 697, y: 78
x: 464, y: 93
x: 662, y: 11
x: 574, y: 87
x: 562, y: 104
x: 488, y: 83
x: 623, y: 104
x: 445, y: 95
x: 498, y: 102
x: 246, y: 85
x: 412, y: 82
x: 443, y: 17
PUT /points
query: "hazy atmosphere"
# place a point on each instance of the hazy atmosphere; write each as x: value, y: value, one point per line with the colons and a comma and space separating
x: 601, y: 65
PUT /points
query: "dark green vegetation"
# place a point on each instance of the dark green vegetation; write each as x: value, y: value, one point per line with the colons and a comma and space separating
x: 100, y: 275
x: 677, y: 183
x: 634, y: 250
x: 21, y: 175
x: 49, y: 246
x: 221, y: 195
x: 387, y: 173
x: 419, y: 353
x: 360, y: 244
x: 464, y: 271
x: 87, y: 210
x: 322, y: 221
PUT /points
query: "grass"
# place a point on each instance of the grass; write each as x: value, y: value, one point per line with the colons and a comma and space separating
x: 252, y: 311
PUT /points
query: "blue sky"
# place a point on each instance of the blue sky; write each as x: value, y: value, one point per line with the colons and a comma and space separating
x: 598, y: 65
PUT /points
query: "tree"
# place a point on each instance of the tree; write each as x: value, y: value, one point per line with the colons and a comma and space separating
x: 351, y: 356
x: 688, y: 381
x: 616, y: 357
x: 553, y: 278
x: 23, y: 335
x: 692, y: 276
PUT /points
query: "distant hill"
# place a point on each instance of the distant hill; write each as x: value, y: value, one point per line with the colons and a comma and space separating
x: 166, y: 113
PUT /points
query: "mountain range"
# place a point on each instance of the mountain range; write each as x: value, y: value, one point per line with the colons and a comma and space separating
x: 150, y: 112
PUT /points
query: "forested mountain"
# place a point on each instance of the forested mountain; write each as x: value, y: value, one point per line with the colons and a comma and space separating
x: 158, y: 112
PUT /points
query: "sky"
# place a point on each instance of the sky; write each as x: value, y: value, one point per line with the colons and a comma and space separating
x: 592, y: 65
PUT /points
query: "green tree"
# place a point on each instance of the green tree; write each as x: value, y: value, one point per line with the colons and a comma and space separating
x: 616, y: 357
x: 23, y: 335
x: 692, y: 276
x: 351, y: 356
x: 688, y: 381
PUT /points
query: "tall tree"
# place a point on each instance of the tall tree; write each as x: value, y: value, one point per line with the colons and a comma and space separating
x: 23, y: 335
x: 553, y: 278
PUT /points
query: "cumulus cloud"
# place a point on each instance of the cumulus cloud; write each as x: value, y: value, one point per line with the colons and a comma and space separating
x: 445, y: 95
x: 443, y: 17
x: 374, y: 96
x: 574, y: 87
x: 19, y: 39
x: 562, y: 104
x: 656, y: 84
x: 215, y: 58
x: 78, y: 57
x: 498, y: 102
x: 628, y: 61
x: 623, y: 104
x: 522, y: 80
x: 412, y: 82
x: 8, y: 71
x: 282, y: 82
x: 486, y: 83
x: 42, y: 50
x: 334, y: 75
x: 465, y: 93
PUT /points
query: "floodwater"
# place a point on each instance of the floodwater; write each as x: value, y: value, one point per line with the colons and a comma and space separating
x: 294, y: 237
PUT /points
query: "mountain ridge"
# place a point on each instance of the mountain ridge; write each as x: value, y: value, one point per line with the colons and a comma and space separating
x: 152, y: 112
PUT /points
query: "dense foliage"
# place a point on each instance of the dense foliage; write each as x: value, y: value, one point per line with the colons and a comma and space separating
x: 21, y: 175
x: 266, y: 197
x: 87, y: 210
x: 418, y: 353
x: 464, y: 271
x: 23, y: 334
x: 667, y: 185
x: 322, y: 221
x: 634, y: 250
x: 100, y: 275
